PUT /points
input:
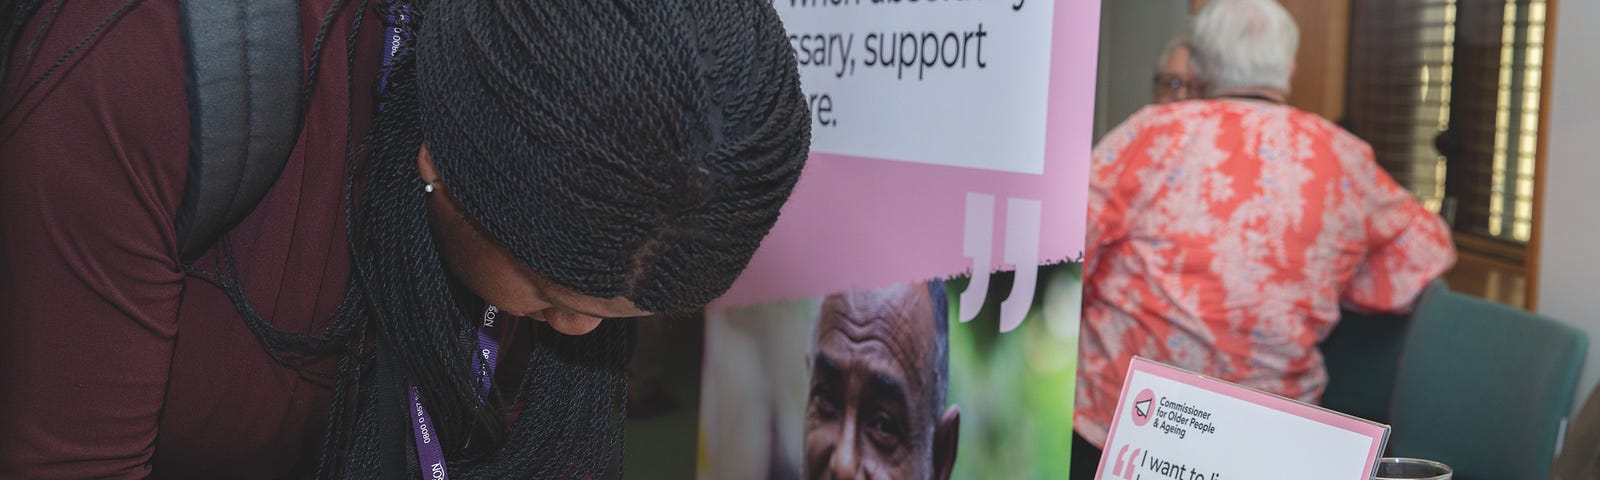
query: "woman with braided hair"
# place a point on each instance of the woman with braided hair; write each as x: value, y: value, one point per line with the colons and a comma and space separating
x: 535, y: 173
x: 586, y: 160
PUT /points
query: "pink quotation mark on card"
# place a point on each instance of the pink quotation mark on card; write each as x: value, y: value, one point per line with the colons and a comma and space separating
x: 1125, y: 469
x: 1144, y: 407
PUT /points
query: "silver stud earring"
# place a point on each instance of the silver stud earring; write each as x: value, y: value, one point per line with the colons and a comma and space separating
x: 427, y: 187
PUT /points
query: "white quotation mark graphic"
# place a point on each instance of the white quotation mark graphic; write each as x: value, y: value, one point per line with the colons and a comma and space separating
x: 978, y: 246
x: 1023, y: 218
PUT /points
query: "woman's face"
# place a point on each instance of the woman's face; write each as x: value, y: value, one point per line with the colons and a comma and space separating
x: 488, y: 269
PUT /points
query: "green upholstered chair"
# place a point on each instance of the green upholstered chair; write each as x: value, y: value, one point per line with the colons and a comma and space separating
x: 1362, y: 354
x: 1484, y: 387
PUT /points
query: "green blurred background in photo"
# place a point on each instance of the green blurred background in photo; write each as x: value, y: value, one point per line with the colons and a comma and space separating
x: 1015, y: 389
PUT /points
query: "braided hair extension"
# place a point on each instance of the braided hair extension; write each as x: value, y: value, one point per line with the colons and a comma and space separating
x: 572, y: 394
x: 667, y: 134
x: 16, y: 17
x: 38, y: 36
x: 619, y: 148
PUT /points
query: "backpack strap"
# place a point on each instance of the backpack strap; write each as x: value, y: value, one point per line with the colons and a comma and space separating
x: 243, y: 83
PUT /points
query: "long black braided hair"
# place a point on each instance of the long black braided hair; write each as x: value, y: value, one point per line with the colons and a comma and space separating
x: 634, y: 148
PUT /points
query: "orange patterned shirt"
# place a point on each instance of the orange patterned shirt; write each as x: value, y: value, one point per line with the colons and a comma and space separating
x: 1223, y: 237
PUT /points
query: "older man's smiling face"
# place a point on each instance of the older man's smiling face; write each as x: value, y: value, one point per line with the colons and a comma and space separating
x: 872, y: 411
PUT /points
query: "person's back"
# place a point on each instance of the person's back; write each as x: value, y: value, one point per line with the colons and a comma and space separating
x: 1224, y: 235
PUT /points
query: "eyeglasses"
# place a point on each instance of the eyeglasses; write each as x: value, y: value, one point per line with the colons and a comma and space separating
x: 1173, y: 86
x: 1170, y: 82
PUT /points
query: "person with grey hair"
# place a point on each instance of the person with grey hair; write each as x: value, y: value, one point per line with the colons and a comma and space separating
x: 1175, y: 78
x: 1245, y: 49
x: 1225, y: 233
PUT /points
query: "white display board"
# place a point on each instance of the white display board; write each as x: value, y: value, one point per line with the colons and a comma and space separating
x: 955, y: 83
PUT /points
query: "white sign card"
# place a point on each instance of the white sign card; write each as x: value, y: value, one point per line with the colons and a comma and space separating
x: 1173, y: 424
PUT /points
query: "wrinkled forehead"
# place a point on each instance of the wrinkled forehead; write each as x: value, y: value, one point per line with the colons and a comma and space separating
x: 891, y: 328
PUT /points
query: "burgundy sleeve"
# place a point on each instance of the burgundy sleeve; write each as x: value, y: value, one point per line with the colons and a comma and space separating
x: 92, y: 165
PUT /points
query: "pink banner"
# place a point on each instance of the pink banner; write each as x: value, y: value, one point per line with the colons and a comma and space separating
x: 857, y: 222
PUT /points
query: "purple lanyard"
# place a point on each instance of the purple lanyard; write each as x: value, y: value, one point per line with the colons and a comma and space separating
x: 488, y: 349
x: 397, y: 35
x: 428, y: 451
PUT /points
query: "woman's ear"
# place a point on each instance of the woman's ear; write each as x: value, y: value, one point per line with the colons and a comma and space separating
x: 425, y: 166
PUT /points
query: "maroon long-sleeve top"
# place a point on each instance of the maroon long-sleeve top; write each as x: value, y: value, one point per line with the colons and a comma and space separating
x: 115, y: 362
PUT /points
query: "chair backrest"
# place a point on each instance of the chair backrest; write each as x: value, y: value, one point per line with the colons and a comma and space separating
x: 1362, y: 355
x: 1484, y: 387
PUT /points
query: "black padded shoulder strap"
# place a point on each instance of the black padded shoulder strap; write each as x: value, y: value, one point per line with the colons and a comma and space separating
x: 244, y: 92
